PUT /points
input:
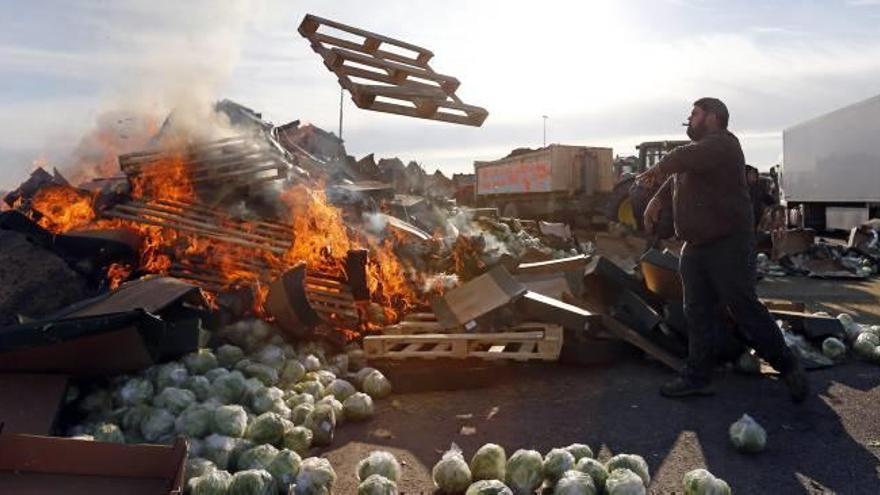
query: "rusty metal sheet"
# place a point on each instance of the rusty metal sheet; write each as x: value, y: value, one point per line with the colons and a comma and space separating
x: 30, y: 403
x: 152, y: 294
x: 31, y: 465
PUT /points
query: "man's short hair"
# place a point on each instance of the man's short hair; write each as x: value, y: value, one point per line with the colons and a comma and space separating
x: 716, y: 106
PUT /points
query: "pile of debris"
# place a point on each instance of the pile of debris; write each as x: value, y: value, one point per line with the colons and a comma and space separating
x: 801, y: 252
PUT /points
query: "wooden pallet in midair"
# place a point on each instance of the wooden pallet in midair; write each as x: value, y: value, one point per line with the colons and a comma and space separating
x: 388, y: 75
x: 525, y: 342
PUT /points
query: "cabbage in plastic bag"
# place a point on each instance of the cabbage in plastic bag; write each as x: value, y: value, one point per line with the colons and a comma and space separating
x: 174, y: 399
x: 284, y: 467
x: 253, y: 482
x: 218, y: 449
x: 301, y: 412
x: 452, y: 473
x: 157, y: 424
x: 268, y: 399
x: 340, y: 389
x: 257, y: 457
x: 292, y: 372
x: 358, y: 407
x: 316, y: 476
x: 200, y: 362
x: 488, y: 487
x: 556, y: 463
x: 134, y: 416
x: 136, y: 391
x: 337, y: 406
x: 575, y: 483
x: 298, y: 439
x: 633, y: 462
x: 195, y: 421
x: 322, y: 422
x: 230, y: 420
x: 271, y: 355
x: 170, y: 375
x: 867, y: 346
x: 747, y: 435
x: 379, y: 462
x: 215, y: 374
x: 294, y: 399
x: 199, y: 385
x: 833, y: 348
x: 595, y: 469
x: 266, y: 428
x: 524, y: 471
x: 579, y: 451
x: 622, y: 481
x: 229, y: 388
x: 362, y: 374
x: 266, y: 374
x: 214, y: 482
x: 311, y: 387
x: 228, y: 355
x: 851, y: 328
x: 197, y: 466
x: 108, y: 432
x: 702, y: 482
x: 489, y: 463
x: 376, y: 385
x: 311, y: 363
x: 377, y: 485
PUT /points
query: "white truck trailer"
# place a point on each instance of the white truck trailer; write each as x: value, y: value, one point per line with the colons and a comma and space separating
x: 831, y: 167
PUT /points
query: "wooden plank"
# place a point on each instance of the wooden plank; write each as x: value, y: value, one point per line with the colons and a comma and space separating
x: 623, y: 332
x: 311, y: 23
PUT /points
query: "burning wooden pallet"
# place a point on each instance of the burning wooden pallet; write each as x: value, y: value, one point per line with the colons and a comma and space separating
x: 231, y: 162
x: 529, y: 341
x: 396, y: 75
x: 204, y: 221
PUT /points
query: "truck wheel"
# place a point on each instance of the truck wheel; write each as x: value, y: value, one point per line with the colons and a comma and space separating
x: 510, y: 211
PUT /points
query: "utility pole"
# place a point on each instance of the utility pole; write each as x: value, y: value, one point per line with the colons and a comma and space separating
x: 545, y: 129
x: 341, y: 96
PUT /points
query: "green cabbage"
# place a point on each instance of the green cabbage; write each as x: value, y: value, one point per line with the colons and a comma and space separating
x: 284, y: 467
x: 575, y: 483
x: 634, y: 463
x: 556, y: 463
x: 340, y: 389
x: 311, y: 387
x: 266, y: 428
x: 268, y: 399
x: 199, y: 385
x: 134, y: 416
x: 301, y: 412
x: 265, y: 373
x: 595, y: 469
x: 258, y: 457
x: 376, y: 385
x: 311, y: 363
x: 357, y: 360
x: 211, y: 483
x: 174, y: 399
x: 316, y: 476
x: 358, y: 407
x: 622, y: 481
x: 108, y: 432
x: 196, y: 466
x: 136, y: 391
x: 230, y: 420
x: 296, y: 399
x: 489, y: 463
x: 298, y: 439
x: 200, y: 362
x: 253, y: 482
x: 488, y: 487
x: 362, y: 374
x: 216, y: 373
x: 324, y: 377
x: 747, y: 435
x: 833, y: 348
x: 377, y: 485
x: 292, y: 372
x: 867, y: 346
x: 702, y: 482
x: 228, y: 355
x: 525, y: 471
x: 272, y: 356
x: 195, y: 421
x: 228, y: 388
x: 218, y: 449
x: 322, y: 422
x: 337, y: 406
x: 379, y: 462
x: 452, y: 474
x: 579, y: 451
x: 170, y: 375
x: 157, y: 423
x: 97, y: 403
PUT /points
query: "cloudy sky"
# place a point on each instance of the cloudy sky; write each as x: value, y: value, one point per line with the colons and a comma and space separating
x: 606, y: 73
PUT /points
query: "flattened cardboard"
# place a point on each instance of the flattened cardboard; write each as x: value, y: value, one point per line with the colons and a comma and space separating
x: 489, y: 291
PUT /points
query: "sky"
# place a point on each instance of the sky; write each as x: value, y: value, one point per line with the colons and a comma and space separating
x: 606, y: 73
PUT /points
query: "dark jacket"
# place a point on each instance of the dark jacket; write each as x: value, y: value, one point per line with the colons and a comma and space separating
x: 707, y: 189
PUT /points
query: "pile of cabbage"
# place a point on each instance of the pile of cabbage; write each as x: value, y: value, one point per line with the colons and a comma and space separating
x: 251, y: 409
x: 571, y: 470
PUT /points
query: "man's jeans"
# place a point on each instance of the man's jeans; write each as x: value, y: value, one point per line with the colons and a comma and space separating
x: 720, y: 274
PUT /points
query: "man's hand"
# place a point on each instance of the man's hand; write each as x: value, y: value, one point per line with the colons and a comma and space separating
x: 649, y: 177
x: 652, y: 215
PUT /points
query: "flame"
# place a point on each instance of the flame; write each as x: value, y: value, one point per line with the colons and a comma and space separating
x: 63, y: 208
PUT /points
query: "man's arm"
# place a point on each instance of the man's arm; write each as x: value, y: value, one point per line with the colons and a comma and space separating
x: 700, y: 157
x: 662, y: 199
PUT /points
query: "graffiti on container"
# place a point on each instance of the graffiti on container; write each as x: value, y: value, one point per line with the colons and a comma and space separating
x: 522, y: 177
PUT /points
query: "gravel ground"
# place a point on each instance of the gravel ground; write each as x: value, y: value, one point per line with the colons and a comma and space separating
x: 830, y: 444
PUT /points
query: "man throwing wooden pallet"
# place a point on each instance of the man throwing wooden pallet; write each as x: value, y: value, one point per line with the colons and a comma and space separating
x: 704, y: 183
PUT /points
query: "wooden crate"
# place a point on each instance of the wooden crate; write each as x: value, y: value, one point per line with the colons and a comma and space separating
x: 525, y: 342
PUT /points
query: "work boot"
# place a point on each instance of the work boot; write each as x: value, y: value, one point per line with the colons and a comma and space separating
x: 796, y: 381
x: 684, y: 387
